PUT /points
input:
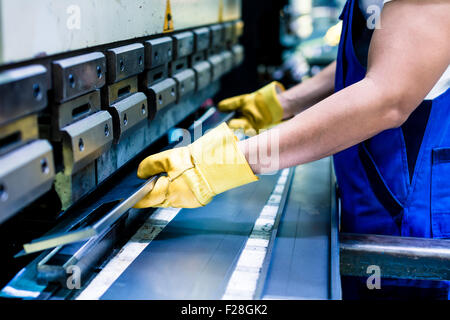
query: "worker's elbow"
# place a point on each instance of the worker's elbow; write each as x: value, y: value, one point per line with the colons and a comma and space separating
x: 394, y: 104
x: 395, y: 115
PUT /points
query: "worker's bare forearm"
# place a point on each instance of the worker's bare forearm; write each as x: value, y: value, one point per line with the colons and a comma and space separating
x: 334, y: 124
x: 309, y: 92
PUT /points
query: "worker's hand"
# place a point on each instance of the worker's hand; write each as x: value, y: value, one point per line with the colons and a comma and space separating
x: 256, y: 110
x: 196, y: 173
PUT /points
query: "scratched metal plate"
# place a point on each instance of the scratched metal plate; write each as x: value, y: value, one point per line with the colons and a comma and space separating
x: 193, y: 257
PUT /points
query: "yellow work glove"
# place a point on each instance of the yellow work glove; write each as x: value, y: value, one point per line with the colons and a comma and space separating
x: 196, y: 173
x: 256, y: 110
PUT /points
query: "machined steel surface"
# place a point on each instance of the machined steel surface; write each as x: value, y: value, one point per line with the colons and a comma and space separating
x: 106, y: 221
x: 229, y: 32
x: 22, y: 91
x: 86, y: 140
x: 397, y: 257
x: 25, y: 174
x: 155, y: 75
x: 119, y: 90
x: 161, y: 95
x: 128, y: 114
x: 238, y: 54
x: 217, y: 36
x: 183, y: 44
x: 202, y: 39
x: 217, y: 67
x: 228, y: 62
x: 73, y: 77
x: 178, y: 65
x: 185, y: 83
x: 73, y: 111
x: 195, y: 254
x: 124, y: 62
x: 18, y: 133
x: 202, y: 74
x: 300, y: 267
x: 158, y: 52
x: 72, y: 186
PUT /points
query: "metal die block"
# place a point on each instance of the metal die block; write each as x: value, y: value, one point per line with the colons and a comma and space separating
x: 197, y: 57
x: 178, y: 65
x: 238, y: 54
x: 161, y: 95
x: 78, y: 75
x: 229, y: 32
x: 18, y: 133
x: 128, y: 114
x: 158, y: 52
x: 119, y: 90
x: 85, y: 140
x: 155, y: 75
x: 22, y: 91
x: 25, y: 174
x: 202, y: 39
x: 183, y: 44
x: 228, y: 61
x: 185, y: 83
x: 202, y: 74
x: 217, y: 35
x: 124, y: 62
x: 73, y: 111
x: 72, y: 187
x: 216, y: 62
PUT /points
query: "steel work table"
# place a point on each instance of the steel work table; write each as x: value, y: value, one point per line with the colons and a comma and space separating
x: 195, y: 254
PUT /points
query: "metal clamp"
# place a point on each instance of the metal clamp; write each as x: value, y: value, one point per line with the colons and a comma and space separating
x: 128, y: 114
x: 178, y: 65
x: 229, y: 32
x: 202, y: 74
x: 216, y: 62
x: 202, y: 39
x: 185, y: 83
x: 25, y: 174
x: 238, y: 55
x: 18, y: 133
x: 85, y: 140
x: 22, y: 91
x: 78, y: 75
x: 228, y: 61
x: 158, y: 52
x: 124, y: 62
x: 217, y: 35
x: 183, y: 44
x: 152, y: 76
x: 119, y: 90
x: 161, y: 95
x: 73, y: 111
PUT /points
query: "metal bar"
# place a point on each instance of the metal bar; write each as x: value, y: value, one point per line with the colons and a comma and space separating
x: 397, y: 257
x: 100, y: 226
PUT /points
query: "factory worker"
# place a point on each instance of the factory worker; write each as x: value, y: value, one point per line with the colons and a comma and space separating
x: 382, y: 110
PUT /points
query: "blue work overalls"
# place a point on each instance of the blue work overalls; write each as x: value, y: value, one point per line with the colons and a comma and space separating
x: 398, y: 182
